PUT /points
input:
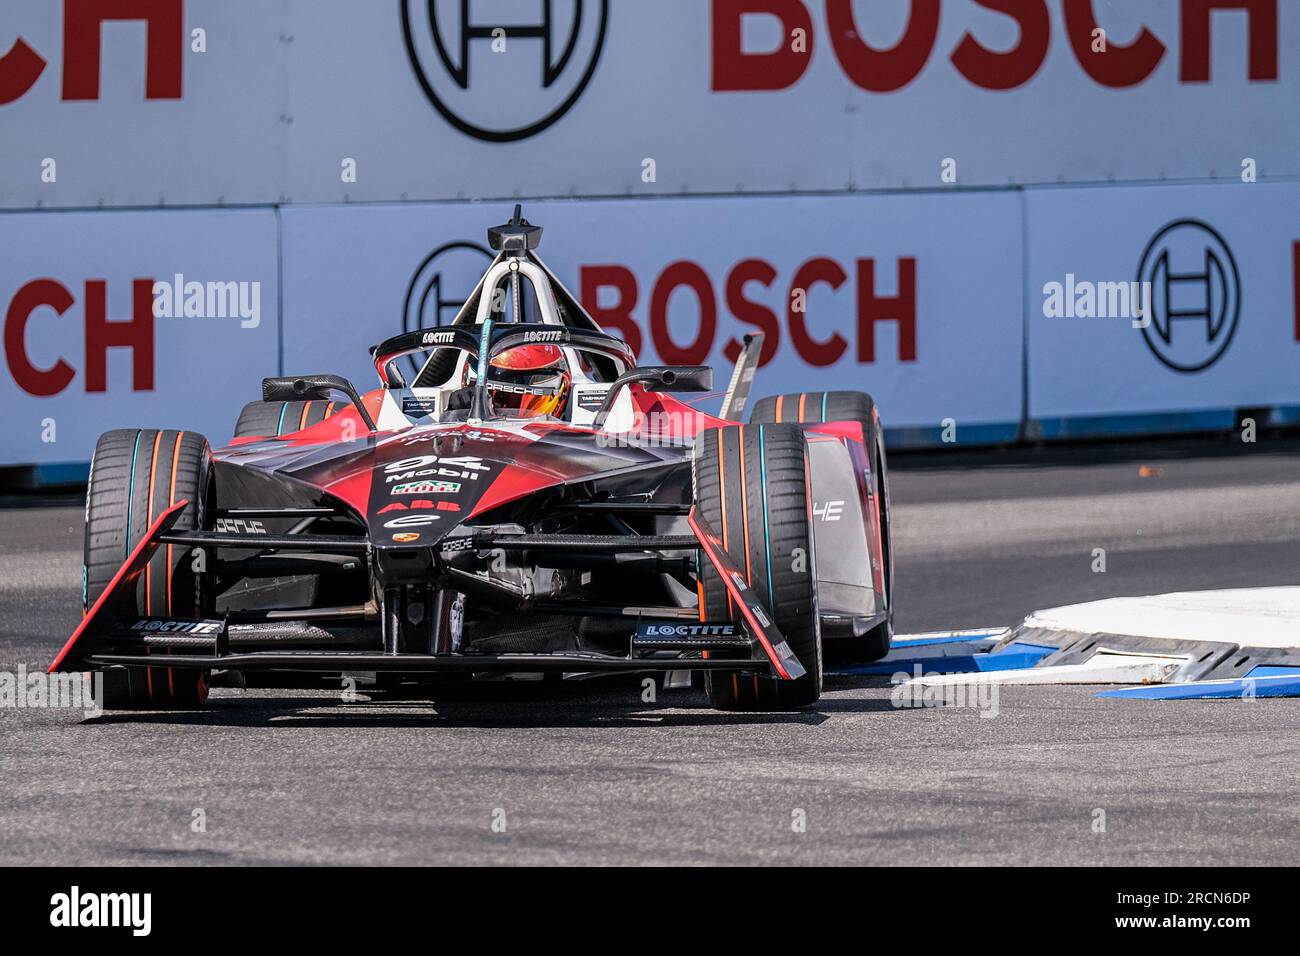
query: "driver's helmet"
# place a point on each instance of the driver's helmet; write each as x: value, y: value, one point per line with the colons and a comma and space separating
x: 529, y: 381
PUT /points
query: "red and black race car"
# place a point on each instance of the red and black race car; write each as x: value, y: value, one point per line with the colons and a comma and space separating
x: 530, y: 502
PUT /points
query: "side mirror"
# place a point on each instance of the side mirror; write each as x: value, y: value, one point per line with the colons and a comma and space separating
x: 675, y: 378
x: 657, y: 378
x: 290, y: 388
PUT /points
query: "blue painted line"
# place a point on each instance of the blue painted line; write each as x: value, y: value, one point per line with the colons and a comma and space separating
x: 968, y: 436
x: 1285, y: 415
x: 930, y: 641
x: 17, y: 478
x: 1096, y: 426
x: 1246, y: 687
x: 825, y: 395
x: 64, y: 473
x: 1013, y: 657
x: 279, y: 426
x: 1274, y: 670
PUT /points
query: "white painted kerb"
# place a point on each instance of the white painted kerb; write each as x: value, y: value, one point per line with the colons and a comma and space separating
x: 1252, y: 617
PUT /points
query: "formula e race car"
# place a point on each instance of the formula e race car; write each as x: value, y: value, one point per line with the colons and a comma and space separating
x: 531, y: 502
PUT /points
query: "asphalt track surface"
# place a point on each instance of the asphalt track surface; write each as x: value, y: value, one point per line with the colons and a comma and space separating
x: 591, y: 774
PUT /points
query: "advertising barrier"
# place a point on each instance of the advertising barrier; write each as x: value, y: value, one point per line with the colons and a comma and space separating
x: 914, y: 299
x: 209, y: 102
x: 132, y: 319
x: 971, y: 317
x: 1152, y: 300
x: 150, y: 103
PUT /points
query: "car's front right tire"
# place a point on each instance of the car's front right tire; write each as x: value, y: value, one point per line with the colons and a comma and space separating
x: 840, y: 644
x: 751, y: 486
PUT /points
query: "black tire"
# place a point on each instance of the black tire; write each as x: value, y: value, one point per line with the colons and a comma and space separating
x: 751, y: 485
x: 841, y: 646
x: 135, y: 475
x: 272, y: 419
x: 815, y: 407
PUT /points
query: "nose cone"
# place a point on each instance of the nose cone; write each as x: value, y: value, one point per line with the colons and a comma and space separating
x: 426, y: 482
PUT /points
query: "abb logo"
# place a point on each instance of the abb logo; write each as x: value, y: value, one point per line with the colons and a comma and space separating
x: 83, y: 20
x: 815, y: 350
x: 886, y: 70
x: 102, y: 334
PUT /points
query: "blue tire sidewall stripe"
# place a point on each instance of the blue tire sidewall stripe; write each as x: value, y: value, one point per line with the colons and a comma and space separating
x: 130, y: 496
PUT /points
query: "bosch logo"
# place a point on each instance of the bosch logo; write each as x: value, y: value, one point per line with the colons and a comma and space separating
x: 162, y: 24
x: 437, y: 290
x: 43, y: 301
x: 503, y: 81
x: 1195, y: 295
x: 638, y: 307
x: 847, y: 27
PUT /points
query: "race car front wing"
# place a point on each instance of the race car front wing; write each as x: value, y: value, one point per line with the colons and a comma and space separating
x: 112, y: 634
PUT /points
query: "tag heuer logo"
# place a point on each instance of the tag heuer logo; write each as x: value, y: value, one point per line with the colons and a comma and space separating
x: 418, y: 407
x: 498, y: 80
x: 427, y: 488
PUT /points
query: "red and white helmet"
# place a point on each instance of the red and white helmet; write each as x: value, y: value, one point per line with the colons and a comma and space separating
x: 529, y: 381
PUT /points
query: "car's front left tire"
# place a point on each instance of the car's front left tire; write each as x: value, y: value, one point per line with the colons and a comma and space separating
x: 272, y: 419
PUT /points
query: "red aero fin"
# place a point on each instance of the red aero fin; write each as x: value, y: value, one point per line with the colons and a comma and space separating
x: 784, y: 661
x: 130, y: 570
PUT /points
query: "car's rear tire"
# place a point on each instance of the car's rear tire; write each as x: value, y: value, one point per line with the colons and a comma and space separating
x: 272, y: 419
x: 843, y: 647
x: 751, y: 486
x: 135, y: 475
x: 815, y: 407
